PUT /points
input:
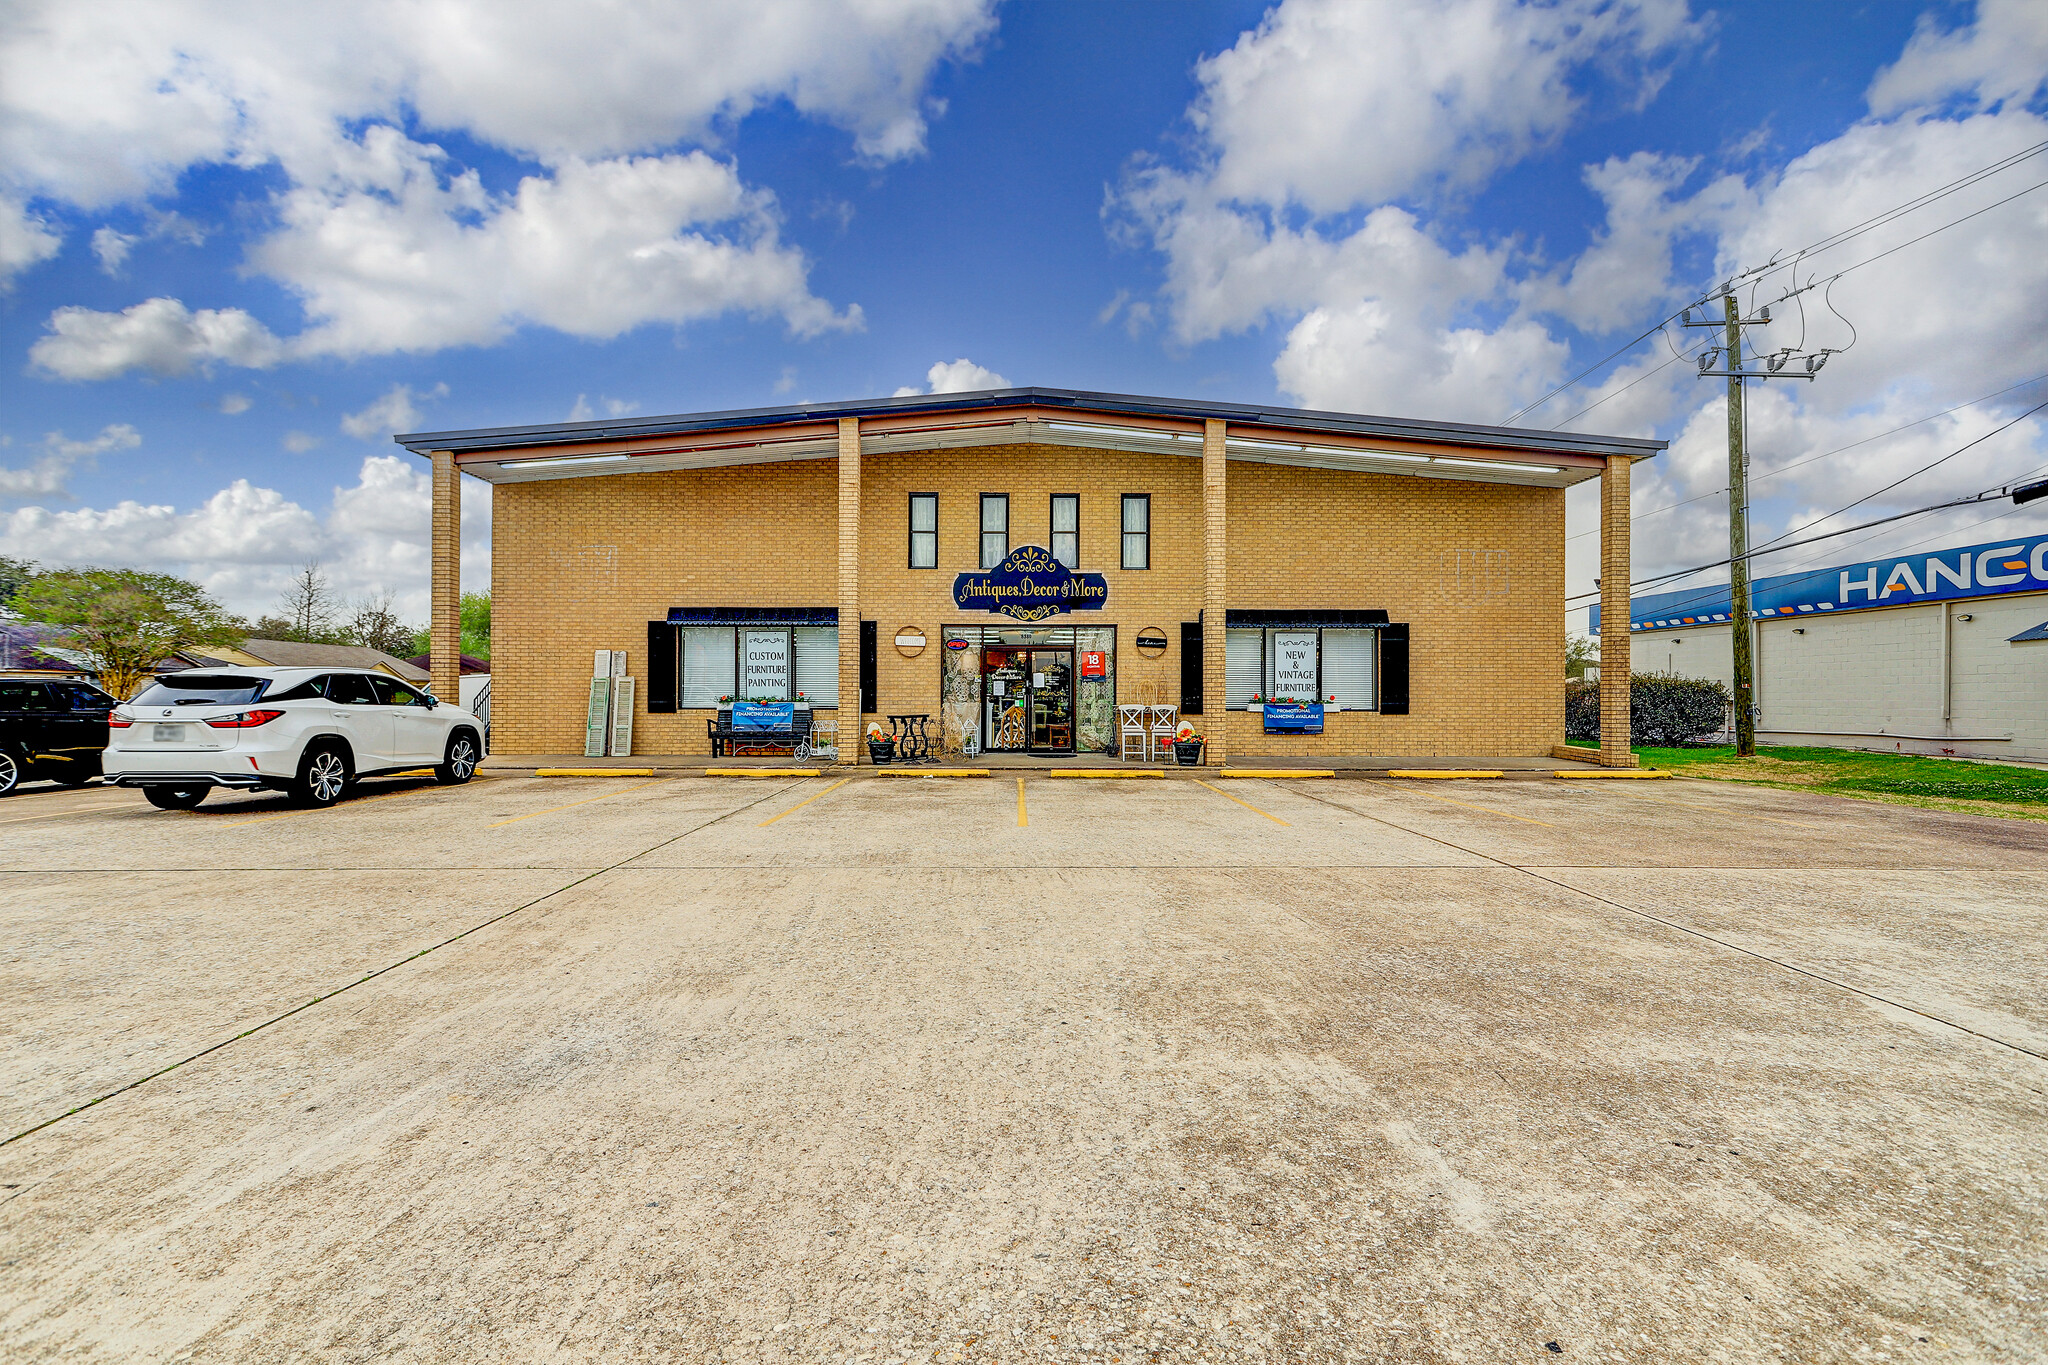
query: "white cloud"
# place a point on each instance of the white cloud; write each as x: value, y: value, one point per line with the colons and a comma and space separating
x: 161, y: 336
x: 49, y: 475
x: 299, y: 442
x: 24, y: 240
x: 1329, y: 104
x: 393, y: 412
x: 955, y: 376
x: 245, y: 541
x: 613, y: 407
x: 2002, y: 55
x: 98, y: 109
x: 233, y: 404
x: 1326, y: 111
x: 112, y: 248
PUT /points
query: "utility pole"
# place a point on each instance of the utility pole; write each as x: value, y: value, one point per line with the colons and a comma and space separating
x: 1738, y: 538
x: 1776, y: 365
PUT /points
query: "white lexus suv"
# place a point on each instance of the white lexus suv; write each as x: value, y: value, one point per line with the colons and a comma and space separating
x: 308, y: 731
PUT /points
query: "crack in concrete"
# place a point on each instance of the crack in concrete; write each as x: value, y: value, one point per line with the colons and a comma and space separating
x: 391, y: 967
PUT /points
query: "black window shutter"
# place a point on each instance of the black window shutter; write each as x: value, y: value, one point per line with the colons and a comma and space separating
x: 1191, y: 668
x: 661, y: 667
x: 868, y: 654
x: 1394, y: 670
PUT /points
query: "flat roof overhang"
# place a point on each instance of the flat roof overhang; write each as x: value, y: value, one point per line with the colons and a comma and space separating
x: 1054, y: 417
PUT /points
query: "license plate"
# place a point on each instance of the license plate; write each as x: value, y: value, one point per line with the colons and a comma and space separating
x: 166, y: 734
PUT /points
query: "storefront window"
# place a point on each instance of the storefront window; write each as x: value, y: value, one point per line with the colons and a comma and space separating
x: 1347, y: 668
x: 1066, y: 529
x: 1309, y: 664
x: 1095, y: 706
x: 710, y: 668
x: 1244, y: 666
x: 995, y: 528
x: 817, y: 664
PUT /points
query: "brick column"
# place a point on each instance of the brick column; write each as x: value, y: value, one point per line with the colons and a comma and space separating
x: 852, y: 744
x: 1215, y: 570
x: 1614, y: 615
x: 445, y: 630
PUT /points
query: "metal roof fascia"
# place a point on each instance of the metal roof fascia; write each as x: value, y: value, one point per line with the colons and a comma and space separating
x: 1292, y: 419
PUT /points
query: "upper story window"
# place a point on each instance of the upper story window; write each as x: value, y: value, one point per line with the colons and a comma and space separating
x: 924, y: 530
x: 1066, y: 529
x: 995, y: 528
x: 1137, y: 531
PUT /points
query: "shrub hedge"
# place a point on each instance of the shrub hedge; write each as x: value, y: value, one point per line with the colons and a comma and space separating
x: 1666, y: 712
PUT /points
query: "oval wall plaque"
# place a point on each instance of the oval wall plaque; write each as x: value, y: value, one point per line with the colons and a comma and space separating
x: 910, y: 642
x: 1152, y: 641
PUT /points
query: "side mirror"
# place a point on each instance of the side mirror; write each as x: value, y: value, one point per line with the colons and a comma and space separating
x: 432, y: 700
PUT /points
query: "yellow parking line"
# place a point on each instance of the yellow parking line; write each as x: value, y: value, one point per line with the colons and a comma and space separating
x: 807, y: 801
x: 1023, y: 820
x: 1483, y: 810
x: 1246, y: 804
x: 586, y: 801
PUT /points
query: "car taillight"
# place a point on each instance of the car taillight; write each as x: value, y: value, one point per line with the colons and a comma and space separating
x: 117, y: 721
x: 243, y: 720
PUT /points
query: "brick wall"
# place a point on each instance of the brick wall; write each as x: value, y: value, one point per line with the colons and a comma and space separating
x: 1477, y: 570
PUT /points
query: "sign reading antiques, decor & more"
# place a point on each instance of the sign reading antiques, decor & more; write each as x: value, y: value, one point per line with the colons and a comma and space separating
x: 1030, y: 585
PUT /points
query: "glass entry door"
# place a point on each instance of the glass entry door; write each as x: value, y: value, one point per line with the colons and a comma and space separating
x: 1027, y: 700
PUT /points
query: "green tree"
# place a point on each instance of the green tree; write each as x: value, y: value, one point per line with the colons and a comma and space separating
x: 14, y: 576
x: 476, y: 628
x: 125, y: 621
x: 1579, y: 651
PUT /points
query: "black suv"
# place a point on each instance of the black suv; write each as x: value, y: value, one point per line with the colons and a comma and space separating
x: 51, y: 729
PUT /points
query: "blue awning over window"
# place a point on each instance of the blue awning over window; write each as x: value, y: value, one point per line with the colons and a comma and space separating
x: 753, y: 616
x: 1304, y: 619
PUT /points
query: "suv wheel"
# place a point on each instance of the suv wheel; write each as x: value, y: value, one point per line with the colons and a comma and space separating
x: 324, y: 775
x: 174, y: 798
x: 460, y: 761
x: 10, y: 772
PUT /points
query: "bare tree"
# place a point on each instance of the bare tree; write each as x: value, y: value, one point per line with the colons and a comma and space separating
x: 310, y: 604
x: 375, y: 624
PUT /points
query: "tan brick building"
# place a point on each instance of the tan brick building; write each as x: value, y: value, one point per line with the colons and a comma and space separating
x: 1017, y: 564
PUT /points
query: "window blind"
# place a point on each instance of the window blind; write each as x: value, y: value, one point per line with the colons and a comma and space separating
x: 924, y: 530
x: 1244, y: 667
x: 817, y: 664
x: 1066, y: 529
x: 709, y: 665
x: 1347, y: 668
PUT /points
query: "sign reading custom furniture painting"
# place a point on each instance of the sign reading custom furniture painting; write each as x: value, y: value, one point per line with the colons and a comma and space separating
x: 1295, y: 675
x: 764, y: 663
x: 1030, y: 585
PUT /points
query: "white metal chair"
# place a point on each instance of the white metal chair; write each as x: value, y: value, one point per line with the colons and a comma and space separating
x: 1159, y: 731
x: 1133, y: 731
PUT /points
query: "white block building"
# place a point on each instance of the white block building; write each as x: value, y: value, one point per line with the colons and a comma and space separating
x: 1944, y: 652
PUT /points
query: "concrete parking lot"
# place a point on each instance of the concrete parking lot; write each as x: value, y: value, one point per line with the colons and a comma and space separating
x: 1022, y: 1069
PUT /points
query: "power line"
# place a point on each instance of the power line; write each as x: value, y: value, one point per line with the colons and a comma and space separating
x: 1823, y: 244
x: 1786, y: 469
x: 1916, y: 473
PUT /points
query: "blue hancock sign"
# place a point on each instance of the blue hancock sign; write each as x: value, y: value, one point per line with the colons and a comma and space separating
x: 1987, y: 570
x: 1030, y: 585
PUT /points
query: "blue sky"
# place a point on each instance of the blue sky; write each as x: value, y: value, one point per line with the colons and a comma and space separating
x: 243, y: 244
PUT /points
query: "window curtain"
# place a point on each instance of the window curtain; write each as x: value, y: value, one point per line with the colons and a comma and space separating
x: 1347, y: 668
x: 1244, y: 666
x: 817, y: 664
x: 710, y: 665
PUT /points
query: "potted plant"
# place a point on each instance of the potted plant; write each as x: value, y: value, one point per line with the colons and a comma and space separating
x: 881, y: 746
x: 803, y: 703
x: 1187, y: 746
x: 1256, y: 704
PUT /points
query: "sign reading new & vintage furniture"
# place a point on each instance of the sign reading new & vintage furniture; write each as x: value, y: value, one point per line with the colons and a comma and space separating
x: 1030, y: 585
x: 1296, y: 676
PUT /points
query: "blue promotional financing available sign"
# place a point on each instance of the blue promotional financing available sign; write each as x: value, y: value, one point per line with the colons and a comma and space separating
x: 1302, y: 718
x: 763, y: 715
x: 1030, y: 585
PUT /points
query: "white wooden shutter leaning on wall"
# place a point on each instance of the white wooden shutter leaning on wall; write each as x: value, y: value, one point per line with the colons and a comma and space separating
x: 622, y: 716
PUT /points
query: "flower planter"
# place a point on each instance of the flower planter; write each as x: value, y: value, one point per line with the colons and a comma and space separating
x: 882, y: 750
x: 1187, y: 752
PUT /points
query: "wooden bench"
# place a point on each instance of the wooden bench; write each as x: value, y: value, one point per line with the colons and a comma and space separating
x: 725, y: 740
